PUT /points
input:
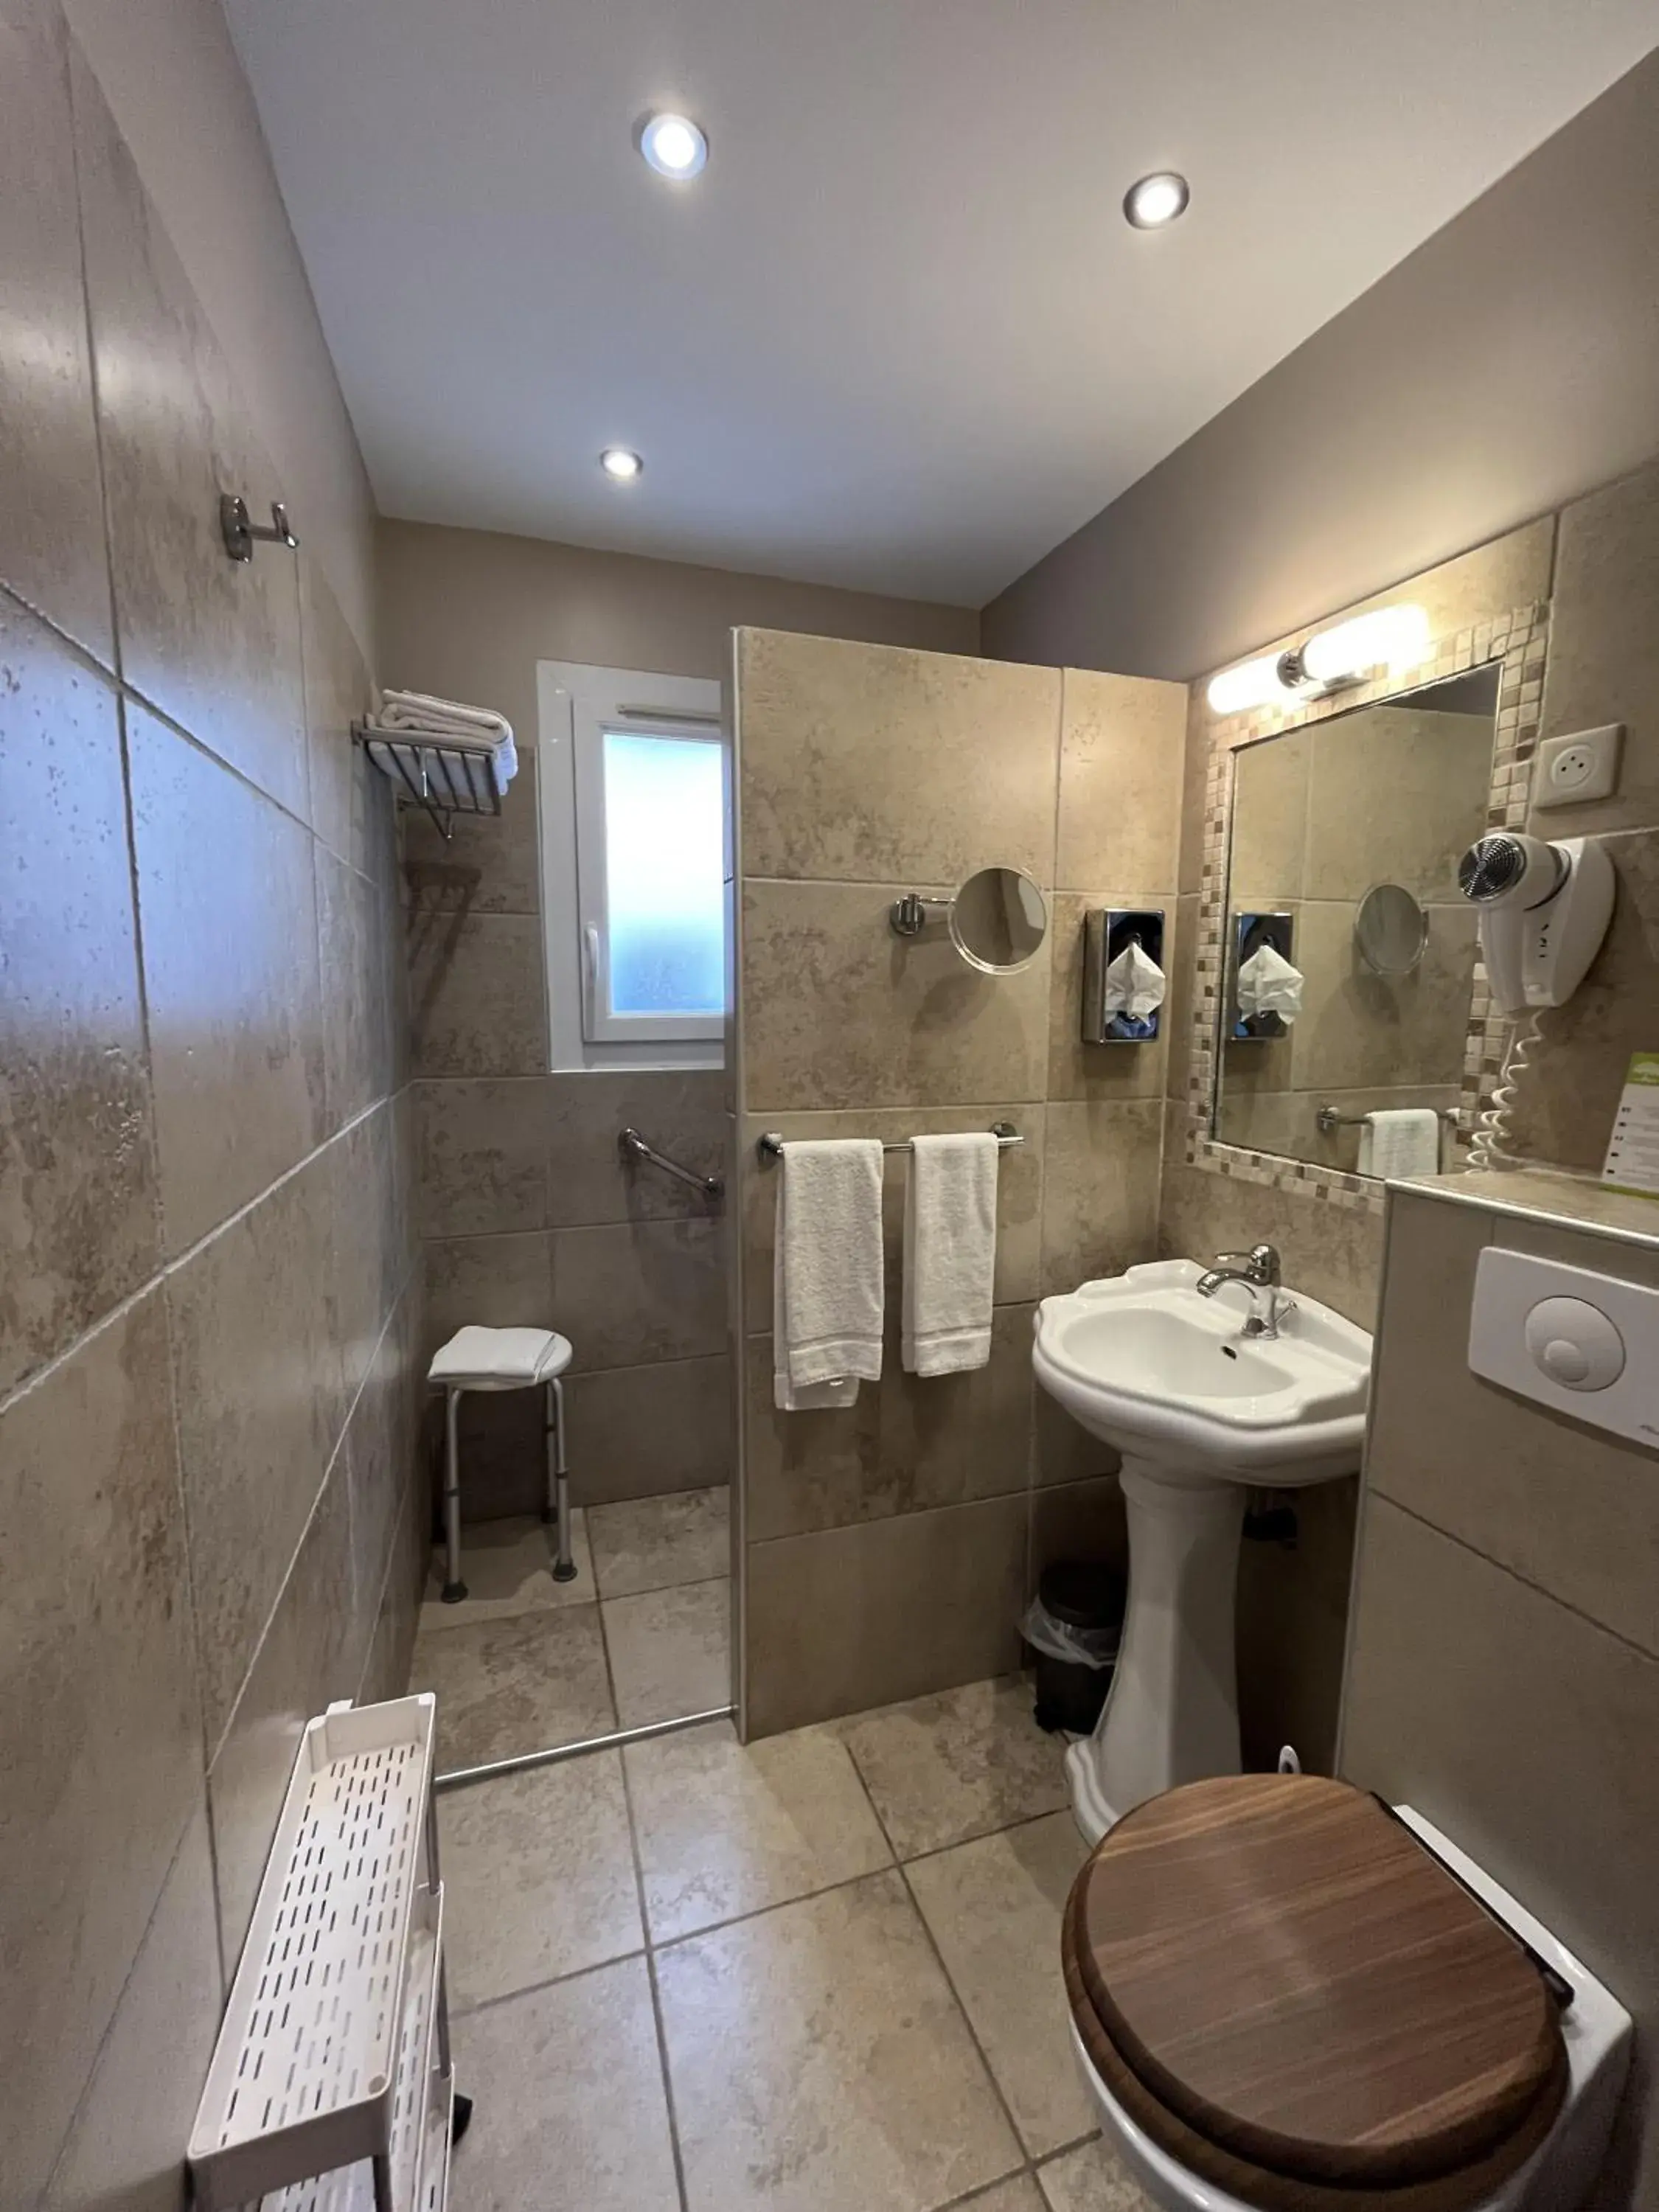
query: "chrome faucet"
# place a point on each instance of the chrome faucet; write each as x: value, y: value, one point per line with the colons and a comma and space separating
x: 1258, y: 1270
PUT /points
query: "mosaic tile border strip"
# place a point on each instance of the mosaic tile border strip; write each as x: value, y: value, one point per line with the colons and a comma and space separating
x: 1517, y: 641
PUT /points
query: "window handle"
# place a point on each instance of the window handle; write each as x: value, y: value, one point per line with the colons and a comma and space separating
x: 591, y: 968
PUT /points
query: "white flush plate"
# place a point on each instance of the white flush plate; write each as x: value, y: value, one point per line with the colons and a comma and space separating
x: 1570, y: 1337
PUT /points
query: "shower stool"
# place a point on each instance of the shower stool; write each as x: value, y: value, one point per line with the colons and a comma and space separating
x: 502, y: 1359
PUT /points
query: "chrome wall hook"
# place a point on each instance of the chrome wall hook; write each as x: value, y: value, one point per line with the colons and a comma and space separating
x: 240, y: 531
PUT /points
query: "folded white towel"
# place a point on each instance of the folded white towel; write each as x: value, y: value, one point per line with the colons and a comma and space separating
x: 421, y: 710
x: 827, y: 1273
x: 1399, y: 1140
x: 950, y: 1252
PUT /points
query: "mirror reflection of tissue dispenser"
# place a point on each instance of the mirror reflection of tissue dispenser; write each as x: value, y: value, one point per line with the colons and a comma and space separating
x: 1266, y: 984
x: 1123, y: 980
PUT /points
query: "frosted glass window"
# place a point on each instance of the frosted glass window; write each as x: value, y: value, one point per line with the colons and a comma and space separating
x: 664, y: 895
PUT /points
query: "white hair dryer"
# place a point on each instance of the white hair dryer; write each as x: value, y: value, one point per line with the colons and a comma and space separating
x: 1544, y: 911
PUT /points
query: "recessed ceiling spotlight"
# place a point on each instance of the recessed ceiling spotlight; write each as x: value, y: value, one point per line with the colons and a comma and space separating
x: 618, y: 461
x: 1156, y: 200
x: 673, y: 145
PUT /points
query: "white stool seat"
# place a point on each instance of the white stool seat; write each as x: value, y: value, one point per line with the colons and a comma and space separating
x: 499, y: 1359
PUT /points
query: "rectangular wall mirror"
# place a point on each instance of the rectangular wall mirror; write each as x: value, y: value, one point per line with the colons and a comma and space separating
x: 1351, y: 827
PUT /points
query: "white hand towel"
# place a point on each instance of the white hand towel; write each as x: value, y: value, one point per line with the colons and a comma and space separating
x: 827, y: 1289
x: 950, y: 1252
x: 1267, y: 984
x: 412, y: 715
x: 1399, y: 1140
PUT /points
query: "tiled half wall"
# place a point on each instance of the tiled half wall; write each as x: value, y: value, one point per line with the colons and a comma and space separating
x: 888, y: 1549
x: 209, y: 1314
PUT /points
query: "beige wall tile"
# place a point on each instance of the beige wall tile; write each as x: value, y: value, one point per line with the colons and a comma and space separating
x: 1526, y: 1733
x: 1122, y: 749
x: 353, y: 915
x: 51, y: 529
x: 482, y: 1155
x: 836, y: 739
x: 1079, y: 1521
x: 100, y: 1734
x: 351, y: 802
x: 1194, y: 777
x: 1397, y: 793
x: 380, y: 1457
x: 476, y: 1000
x: 213, y: 643
x: 227, y: 912
x: 1099, y: 1189
x: 1076, y: 1070
x: 908, y: 1442
x: 256, y: 1344
x: 576, y: 2091
x: 630, y: 1292
x: 370, y: 1256
x: 490, y: 864
x: 847, y: 1618
x: 837, y: 1012
x: 1604, y: 663
x: 683, y: 1114
x: 1559, y: 1503
x: 127, y: 2145
x: 493, y: 1282
x: 827, y: 2026
x: 637, y: 1431
x: 1359, y: 1028
x: 1570, y: 1091
x: 1019, y: 1186
x: 1062, y: 1449
x: 78, y: 1183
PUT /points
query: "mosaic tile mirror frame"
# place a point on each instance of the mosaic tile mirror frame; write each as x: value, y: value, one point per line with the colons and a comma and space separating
x: 1516, y: 645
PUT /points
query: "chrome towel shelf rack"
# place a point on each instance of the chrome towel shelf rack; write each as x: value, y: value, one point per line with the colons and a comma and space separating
x: 1329, y: 1120
x: 769, y: 1146
x: 444, y: 778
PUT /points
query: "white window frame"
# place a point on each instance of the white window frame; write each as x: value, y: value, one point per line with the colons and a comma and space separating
x: 577, y: 704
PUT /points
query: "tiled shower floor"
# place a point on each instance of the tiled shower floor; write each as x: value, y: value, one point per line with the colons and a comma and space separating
x: 643, y: 1634
x: 819, y: 1974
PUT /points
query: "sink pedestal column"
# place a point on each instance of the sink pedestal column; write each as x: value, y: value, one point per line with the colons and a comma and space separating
x: 1172, y: 1715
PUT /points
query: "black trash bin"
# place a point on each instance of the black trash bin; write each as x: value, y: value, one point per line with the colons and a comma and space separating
x: 1079, y: 1614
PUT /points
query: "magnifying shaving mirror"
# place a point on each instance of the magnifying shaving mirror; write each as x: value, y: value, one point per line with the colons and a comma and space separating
x: 1391, y: 930
x: 997, y: 919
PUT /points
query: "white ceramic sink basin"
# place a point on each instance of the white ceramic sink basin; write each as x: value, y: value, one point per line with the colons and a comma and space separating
x: 1143, y: 1362
x: 1200, y: 1413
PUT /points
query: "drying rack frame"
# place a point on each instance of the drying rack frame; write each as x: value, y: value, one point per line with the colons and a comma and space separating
x: 443, y: 776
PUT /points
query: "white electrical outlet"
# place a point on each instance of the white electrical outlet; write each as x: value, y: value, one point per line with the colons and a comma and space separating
x: 1581, y: 766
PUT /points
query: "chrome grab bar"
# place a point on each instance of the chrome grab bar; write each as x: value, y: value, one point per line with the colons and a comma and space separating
x: 630, y: 1146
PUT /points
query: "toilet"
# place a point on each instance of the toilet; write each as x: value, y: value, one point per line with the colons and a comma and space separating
x: 1287, y: 1997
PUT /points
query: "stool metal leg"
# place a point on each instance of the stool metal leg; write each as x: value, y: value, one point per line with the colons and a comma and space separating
x: 558, y: 1482
x: 454, y: 1589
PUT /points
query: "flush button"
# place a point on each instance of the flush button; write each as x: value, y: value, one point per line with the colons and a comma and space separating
x: 1575, y: 1344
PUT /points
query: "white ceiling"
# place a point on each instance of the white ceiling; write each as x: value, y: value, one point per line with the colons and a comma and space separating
x: 898, y: 336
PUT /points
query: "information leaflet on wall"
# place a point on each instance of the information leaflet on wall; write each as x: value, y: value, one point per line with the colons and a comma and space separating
x: 1633, y: 1162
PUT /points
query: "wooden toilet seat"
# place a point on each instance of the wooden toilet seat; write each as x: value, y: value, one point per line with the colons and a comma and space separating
x: 1290, y: 1996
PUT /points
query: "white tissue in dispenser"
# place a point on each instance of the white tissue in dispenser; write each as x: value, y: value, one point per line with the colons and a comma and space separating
x: 1123, y: 980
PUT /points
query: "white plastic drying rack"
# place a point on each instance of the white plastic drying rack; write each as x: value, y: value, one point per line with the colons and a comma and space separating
x: 331, y: 2088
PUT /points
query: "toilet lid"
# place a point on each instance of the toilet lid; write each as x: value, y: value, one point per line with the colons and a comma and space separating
x: 1284, y: 1967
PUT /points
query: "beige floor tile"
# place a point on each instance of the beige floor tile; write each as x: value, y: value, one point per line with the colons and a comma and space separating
x: 506, y: 1566
x: 820, y: 2063
x: 945, y: 1768
x: 670, y: 1652
x: 653, y: 1543
x: 1021, y: 2193
x: 726, y: 1828
x: 538, y: 1877
x: 507, y: 1687
x: 570, y: 2108
x: 1091, y: 2179
x: 993, y: 1908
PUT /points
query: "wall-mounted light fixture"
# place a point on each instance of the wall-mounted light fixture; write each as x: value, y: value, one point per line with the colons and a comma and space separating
x: 1395, y: 638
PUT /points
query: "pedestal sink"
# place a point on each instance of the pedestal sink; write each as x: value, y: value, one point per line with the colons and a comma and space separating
x: 1200, y: 1413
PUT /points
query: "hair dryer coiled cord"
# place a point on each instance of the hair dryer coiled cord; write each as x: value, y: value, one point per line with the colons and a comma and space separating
x: 1491, y: 1131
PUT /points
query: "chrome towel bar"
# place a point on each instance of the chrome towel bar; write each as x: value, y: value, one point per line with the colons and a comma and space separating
x: 769, y: 1146
x: 632, y: 1147
x: 1328, y: 1118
